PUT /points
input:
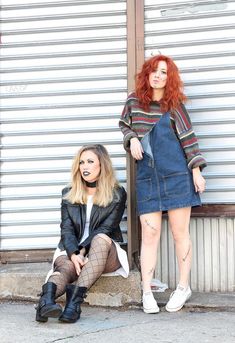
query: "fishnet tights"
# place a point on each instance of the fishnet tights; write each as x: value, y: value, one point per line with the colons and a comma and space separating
x: 102, y: 258
x: 64, y: 273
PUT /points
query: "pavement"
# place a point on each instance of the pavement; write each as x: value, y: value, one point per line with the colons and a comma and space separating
x: 206, y: 317
x: 123, y: 325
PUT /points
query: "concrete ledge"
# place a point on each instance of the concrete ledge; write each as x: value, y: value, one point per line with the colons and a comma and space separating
x: 23, y: 281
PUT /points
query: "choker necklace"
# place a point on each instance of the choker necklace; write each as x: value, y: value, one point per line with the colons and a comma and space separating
x: 91, y: 184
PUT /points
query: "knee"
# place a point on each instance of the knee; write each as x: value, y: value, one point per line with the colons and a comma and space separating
x: 61, y: 262
x: 180, y: 235
x: 150, y: 236
x: 101, y: 237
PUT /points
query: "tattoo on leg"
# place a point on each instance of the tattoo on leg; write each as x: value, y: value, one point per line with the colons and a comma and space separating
x: 184, y: 258
x: 151, y: 271
x: 151, y: 227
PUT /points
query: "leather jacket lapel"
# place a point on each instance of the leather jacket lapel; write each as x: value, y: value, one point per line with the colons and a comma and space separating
x: 83, y: 217
x: 94, y: 215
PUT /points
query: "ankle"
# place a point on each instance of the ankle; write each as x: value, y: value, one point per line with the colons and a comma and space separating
x: 182, y: 286
x: 146, y: 287
x: 147, y: 292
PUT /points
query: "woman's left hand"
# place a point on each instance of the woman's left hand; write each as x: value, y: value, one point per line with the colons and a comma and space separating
x: 79, y: 261
x: 198, y: 180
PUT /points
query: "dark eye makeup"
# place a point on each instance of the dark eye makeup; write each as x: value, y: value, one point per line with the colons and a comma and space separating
x: 89, y: 161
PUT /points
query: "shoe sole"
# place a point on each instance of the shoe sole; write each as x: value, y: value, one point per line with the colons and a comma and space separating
x: 55, y: 313
x: 178, y: 308
x: 151, y: 310
x: 41, y: 319
x: 67, y: 320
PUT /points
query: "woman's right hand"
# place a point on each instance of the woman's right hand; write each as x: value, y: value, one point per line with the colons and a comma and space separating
x: 78, y: 261
x: 136, y: 148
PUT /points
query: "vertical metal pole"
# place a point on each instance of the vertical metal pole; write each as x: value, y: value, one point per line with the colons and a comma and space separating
x: 135, y: 58
x: 139, y: 34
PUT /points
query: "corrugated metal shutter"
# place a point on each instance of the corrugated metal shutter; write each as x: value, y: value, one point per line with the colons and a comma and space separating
x: 213, y: 263
x: 63, y: 83
x: 200, y: 37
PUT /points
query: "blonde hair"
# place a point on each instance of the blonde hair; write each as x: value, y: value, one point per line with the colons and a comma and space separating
x: 106, y: 182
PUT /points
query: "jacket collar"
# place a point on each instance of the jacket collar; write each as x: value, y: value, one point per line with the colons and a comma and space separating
x: 93, y: 212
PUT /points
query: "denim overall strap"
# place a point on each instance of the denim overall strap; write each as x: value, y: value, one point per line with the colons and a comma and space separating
x: 146, y: 144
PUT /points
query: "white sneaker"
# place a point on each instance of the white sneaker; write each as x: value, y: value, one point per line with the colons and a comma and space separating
x: 149, y: 303
x: 178, y: 298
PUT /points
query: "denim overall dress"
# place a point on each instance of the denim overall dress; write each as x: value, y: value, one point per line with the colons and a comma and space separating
x: 163, y: 179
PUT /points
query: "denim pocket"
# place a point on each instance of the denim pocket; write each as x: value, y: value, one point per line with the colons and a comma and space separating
x: 143, y: 189
x: 176, y: 184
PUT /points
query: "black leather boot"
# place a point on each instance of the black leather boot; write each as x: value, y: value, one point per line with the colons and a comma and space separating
x: 47, y: 306
x: 74, y: 298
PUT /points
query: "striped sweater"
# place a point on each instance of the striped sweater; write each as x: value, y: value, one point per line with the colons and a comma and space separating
x: 135, y: 122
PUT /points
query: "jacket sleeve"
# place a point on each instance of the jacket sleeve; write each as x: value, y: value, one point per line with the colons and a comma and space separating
x: 125, y: 126
x: 68, y: 237
x: 111, y: 222
x: 188, y: 139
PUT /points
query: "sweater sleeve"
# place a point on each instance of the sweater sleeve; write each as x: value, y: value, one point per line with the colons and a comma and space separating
x: 125, y: 124
x: 188, y: 139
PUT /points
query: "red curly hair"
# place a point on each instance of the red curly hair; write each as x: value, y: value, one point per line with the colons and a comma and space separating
x: 173, y: 93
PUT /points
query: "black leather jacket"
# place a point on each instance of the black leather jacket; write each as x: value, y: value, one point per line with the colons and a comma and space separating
x: 102, y: 220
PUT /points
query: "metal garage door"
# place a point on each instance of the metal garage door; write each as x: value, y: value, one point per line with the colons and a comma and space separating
x: 63, y: 83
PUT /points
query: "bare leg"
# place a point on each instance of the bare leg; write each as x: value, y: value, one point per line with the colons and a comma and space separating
x: 179, y: 223
x: 151, y: 231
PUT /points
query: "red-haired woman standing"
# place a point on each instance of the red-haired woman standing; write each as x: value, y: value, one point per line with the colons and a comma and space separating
x: 158, y: 133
